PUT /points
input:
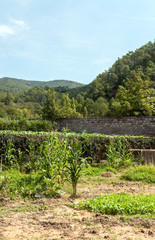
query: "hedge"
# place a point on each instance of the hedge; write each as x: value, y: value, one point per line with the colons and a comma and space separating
x: 94, y: 145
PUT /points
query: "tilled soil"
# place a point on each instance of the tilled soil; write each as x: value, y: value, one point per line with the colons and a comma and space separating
x: 60, y: 221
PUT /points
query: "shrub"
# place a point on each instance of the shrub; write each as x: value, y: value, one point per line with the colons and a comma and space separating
x: 24, y: 124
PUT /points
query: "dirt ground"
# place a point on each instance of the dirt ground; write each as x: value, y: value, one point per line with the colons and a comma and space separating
x: 60, y: 221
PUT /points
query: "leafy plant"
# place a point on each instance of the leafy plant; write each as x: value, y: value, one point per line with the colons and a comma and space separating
x: 120, y: 204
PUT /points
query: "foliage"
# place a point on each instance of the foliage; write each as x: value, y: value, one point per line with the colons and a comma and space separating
x: 120, y: 204
x: 59, y: 108
x: 141, y: 61
x: 13, y: 184
x: 96, y: 171
x: 10, y: 160
x: 118, y: 156
x: 53, y: 163
x: 126, y: 89
x: 75, y: 164
x: 142, y: 173
x: 95, y: 144
x: 133, y: 98
x: 49, y: 167
x: 27, y: 125
x: 18, y: 85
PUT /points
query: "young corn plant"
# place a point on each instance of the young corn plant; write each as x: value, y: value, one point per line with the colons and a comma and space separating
x: 75, y: 165
x: 53, y: 163
x: 118, y: 156
x: 10, y: 161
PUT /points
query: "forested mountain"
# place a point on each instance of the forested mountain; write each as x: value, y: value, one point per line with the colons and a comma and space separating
x: 126, y: 89
x: 15, y: 85
x: 141, y: 62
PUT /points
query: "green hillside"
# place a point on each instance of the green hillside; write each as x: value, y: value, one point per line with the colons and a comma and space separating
x: 14, y: 85
x: 126, y: 89
x: 141, y: 62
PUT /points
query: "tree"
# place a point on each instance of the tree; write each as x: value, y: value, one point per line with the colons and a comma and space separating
x: 89, y: 103
x: 85, y: 112
x: 100, y: 108
x: 8, y: 98
x: 133, y: 98
x: 68, y: 107
x: 51, y: 110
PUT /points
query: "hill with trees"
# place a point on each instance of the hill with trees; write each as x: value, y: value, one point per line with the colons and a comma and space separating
x: 14, y: 85
x: 126, y: 89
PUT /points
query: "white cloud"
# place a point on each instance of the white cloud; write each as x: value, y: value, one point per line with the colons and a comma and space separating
x: 6, y: 31
x: 20, y: 23
x: 16, y: 26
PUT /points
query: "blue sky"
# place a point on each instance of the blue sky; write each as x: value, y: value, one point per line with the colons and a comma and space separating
x: 70, y: 39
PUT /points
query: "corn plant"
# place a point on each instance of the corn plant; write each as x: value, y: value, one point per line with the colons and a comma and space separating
x: 117, y: 155
x: 10, y: 160
x: 53, y: 162
x: 75, y: 165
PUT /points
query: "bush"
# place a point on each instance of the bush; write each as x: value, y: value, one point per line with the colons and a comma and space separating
x: 94, y: 145
x: 24, y: 124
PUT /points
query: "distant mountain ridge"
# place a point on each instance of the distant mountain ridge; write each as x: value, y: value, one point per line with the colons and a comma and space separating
x: 15, y: 85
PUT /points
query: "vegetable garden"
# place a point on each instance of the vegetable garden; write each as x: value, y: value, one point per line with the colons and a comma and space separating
x: 64, y: 168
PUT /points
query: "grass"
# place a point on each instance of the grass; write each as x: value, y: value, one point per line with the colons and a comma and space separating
x: 25, y: 208
x: 96, y: 171
x: 141, y: 173
x: 120, y: 204
x: 15, y: 184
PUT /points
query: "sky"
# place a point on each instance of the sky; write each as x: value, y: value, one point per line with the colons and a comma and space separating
x: 70, y: 39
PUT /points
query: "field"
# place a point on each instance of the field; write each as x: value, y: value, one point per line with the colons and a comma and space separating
x: 54, y: 191
x: 55, y: 218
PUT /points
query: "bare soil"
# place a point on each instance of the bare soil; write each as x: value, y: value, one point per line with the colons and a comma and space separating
x: 60, y: 221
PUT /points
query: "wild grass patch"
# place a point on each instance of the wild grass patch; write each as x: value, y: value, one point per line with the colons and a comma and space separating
x: 96, y: 171
x: 142, y: 173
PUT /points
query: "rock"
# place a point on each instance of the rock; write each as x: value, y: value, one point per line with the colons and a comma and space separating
x: 150, y: 233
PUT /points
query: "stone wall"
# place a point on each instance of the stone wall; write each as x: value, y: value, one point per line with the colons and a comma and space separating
x: 110, y: 125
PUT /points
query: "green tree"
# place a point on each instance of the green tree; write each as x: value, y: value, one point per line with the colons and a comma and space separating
x: 100, y: 108
x: 68, y: 107
x: 85, y: 112
x: 51, y: 110
x: 8, y: 99
x: 89, y: 103
x: 133, y: 99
